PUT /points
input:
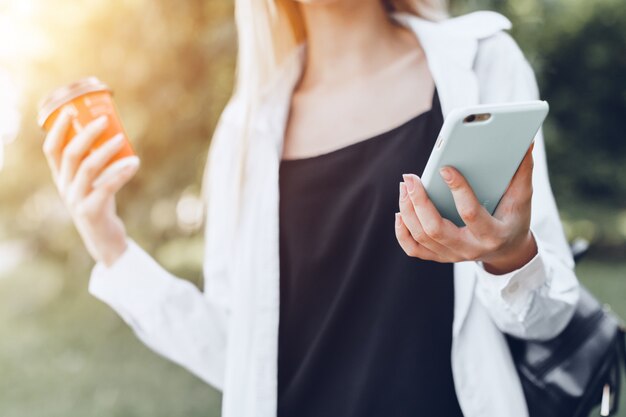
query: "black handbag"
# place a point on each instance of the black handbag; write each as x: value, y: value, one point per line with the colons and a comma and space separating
x: 570, y: 375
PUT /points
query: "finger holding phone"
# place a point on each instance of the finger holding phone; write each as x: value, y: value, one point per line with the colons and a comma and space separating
x: 445, y: 219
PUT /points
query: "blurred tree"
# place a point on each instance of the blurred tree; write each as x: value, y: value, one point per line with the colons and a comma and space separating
x: 578, y: 49
x: 171, y: 66
x: 585, y: 81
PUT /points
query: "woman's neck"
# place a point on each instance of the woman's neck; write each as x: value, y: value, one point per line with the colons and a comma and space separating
x: 348, y: 39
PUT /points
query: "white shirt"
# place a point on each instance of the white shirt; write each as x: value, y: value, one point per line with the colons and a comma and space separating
x: 228, y: 334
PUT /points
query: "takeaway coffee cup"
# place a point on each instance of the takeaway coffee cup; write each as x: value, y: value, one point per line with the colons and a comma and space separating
x: 86, y: 99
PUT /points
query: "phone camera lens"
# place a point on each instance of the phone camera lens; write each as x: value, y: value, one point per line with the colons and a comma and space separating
x: 471, y: 118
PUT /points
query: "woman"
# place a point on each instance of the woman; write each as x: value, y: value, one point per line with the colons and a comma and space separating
x: 311, y: 308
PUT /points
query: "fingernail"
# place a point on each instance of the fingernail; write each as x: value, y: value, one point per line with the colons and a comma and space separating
x: 403, y: 192
x: 397, y: 219
x: 129, y: 162
x: 101, y: 121
x: 445, y: 174
x: 410, y: 184
x: 116, y: 140
x: 133, y: 162
x: 131, y: 168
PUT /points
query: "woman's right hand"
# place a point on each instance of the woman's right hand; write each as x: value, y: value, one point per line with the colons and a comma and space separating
x: 89, y: 196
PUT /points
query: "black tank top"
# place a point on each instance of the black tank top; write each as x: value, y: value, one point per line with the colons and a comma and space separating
x: 365, y: 330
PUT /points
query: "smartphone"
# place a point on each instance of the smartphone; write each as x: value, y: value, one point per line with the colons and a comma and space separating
x: 486, y: 143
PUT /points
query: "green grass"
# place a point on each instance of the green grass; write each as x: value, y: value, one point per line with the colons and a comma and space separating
x: 72, y: 356
x: 65, y: 354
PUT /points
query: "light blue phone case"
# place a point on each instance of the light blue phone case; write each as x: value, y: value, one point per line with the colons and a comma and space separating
x: 487, y: 151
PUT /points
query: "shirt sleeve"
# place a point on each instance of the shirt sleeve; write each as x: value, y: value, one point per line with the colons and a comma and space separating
x: 170, y: 315
x: 537, y: 300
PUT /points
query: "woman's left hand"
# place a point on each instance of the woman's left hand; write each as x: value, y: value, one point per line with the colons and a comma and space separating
x: 503, y: 242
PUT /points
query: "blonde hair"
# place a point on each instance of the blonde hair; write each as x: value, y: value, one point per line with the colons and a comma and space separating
x: 270, y: 31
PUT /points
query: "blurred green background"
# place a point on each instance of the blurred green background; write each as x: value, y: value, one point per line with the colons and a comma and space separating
x: 171, y: 65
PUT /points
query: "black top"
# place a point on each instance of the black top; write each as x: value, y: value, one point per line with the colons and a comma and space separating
x: 365, y: 330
